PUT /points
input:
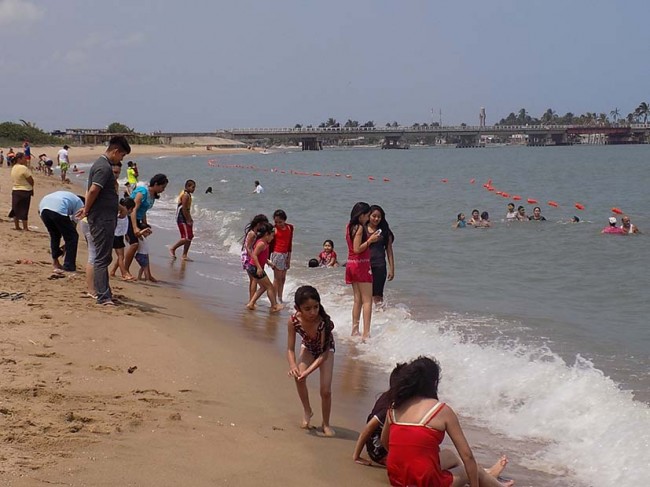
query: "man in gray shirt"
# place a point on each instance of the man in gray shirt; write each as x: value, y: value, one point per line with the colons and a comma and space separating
x: 101, y: 209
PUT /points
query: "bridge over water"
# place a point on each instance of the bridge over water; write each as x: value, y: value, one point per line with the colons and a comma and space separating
x: 467, y: 136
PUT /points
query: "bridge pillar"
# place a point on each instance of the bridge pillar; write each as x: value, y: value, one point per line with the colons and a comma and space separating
x: 468, y: 140
x: 311, y: 143
x: 537, y: 140
x: 560, y: 139
x: 393, y: 142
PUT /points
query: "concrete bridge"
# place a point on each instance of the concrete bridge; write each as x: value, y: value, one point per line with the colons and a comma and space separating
x: 467, y: 136
x: 312, y: 138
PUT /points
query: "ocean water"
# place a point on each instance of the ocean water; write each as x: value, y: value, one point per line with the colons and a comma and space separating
x: 541, y: 328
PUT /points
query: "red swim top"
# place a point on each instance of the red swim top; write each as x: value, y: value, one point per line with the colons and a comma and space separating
x: 283, y: 240
x: 414, y: 453
x: 263, y: 256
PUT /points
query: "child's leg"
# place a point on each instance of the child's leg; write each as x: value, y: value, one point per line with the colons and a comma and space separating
x: 140, y: 273
x: 304, y: 361
x: 326, y: 372
x: 186, y: 249
x: 113, y: 268
x: 356, y: 308
x: 252, y: 287
x: 449, y: 460
x: 147, y: 273
x: 120, y: 263
x: 270, y: 292
x: 278, y: 282
x: 365, y: 289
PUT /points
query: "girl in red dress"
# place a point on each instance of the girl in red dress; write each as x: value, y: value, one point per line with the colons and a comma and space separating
x: 357, y: 270
x: 415, y: 427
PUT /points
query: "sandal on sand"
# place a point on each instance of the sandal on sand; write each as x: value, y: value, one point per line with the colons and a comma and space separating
x: 56, y: 276
x: 107, y: 303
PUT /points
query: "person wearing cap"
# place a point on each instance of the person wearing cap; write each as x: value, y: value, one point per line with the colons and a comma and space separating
x: 627, y: 226
x: 612, y: 228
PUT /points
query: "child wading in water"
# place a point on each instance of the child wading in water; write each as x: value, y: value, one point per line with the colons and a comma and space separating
x: 281, y: 247
x: 315, y: 327
x: 250, y: 235
x: 255, y: 268
x: 357, y: 270
x: 184, y: 220
x: 142, y: 257
x: 328, y: 258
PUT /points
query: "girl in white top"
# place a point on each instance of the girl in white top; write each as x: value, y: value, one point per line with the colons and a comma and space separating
x: 126, y: 208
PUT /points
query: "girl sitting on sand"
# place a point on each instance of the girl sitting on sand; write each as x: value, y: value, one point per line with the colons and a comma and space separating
x: 315, y: 327
x: 255, y: 268
x: 328, y: 258
x: 416, y: 425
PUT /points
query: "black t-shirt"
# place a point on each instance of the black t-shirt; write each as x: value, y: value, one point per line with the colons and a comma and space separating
x: 540, y: 219
x: 106, y: 204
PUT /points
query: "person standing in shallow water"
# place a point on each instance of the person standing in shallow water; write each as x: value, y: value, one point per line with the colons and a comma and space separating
x: 184, y: 220
x: 357, y: 270
x: 380, y: 252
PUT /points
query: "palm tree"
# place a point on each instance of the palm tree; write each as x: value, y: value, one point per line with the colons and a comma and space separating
x: 643, y: 110
x: 549, y: 116
x: 521, y: 117
x: 615, y: 114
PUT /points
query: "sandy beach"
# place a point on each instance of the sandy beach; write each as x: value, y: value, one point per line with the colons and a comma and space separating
x: 157, y: 391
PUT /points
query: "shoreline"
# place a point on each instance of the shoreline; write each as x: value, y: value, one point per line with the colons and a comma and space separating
x: 355, y: 387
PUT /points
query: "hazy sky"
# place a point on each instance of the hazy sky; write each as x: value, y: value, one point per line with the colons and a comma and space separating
x: 208, y: 64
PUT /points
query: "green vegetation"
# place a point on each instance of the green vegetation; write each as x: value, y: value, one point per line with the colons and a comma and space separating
x: 14, y: 134
x: 550, y: 117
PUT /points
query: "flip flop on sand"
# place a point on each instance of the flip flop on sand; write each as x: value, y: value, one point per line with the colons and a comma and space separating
x: 56, y: 276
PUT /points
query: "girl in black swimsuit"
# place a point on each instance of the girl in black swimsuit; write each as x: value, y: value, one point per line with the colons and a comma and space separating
x: 315, y: 327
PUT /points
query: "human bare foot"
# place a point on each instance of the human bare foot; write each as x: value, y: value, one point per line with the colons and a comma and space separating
x: 306, y: 419
x: 328, y: 431
x: 172, y: 254
x: 277, y: 308
x: 355, y: 331
x: 496, y: 469
x: 507, y: 483
x: 251, y: 306
x: 187, y: 259
x: 152, y: 279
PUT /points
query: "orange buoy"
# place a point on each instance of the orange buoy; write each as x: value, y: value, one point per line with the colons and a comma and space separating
x: 516, y: 197
x: 531, y: 201
x: 579, y: 206
x: 370, y: 178
x: 472, y: 181
x: 553, y: 204
x: 386, y: 180
x: 505, y: 195
x: 491, y: 189
x: 617, y: 211
x: 500, y: 193
x: 316, y: 174
x: 444, y: 180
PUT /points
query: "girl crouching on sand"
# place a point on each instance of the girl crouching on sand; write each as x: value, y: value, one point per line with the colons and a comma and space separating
x: 415, y: 427
x: 315, y: 327
x: 255, y: 268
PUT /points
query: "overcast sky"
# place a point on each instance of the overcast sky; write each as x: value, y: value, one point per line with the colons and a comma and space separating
x: 203, y: 65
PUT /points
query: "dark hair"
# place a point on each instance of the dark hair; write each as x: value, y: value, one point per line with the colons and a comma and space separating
x: 264, y: 229
x: 280, y: 214
x: 66, y: 147
x: 521, y: 208
x: 127, y: 203
x: 257, y: 219
x: 303, y: 294
x: 130, y: 163
x: 383, y: 225
x: 458, y: 217
x: 576, y: 219
x: 158, y: 180
x: 474, y: 210
x: 312, y: 263
x: 384, y: 401
x: 511, y: 204
x: 537, y: 208
x: 417, y: 378
x: 358, y: 209
x: 257, y: 183
x: 485, y: 215
x: 329, y: 242
x: 190, y: 182
x: 118, y: 142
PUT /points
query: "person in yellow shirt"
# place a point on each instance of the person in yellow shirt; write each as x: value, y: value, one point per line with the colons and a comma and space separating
x: 21, y: 191
x: 131, y: 176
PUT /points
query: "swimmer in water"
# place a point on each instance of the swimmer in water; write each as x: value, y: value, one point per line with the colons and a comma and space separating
x: 208, y: 190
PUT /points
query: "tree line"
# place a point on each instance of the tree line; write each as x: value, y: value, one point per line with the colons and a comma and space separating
x: 550, y: 117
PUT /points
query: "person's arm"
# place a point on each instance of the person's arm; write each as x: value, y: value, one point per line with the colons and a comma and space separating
x: 248, y: 243
x: 357, y: 246
x: 290, y: 248
x: 91, y: 196
x: 385, y: 433
x: 291, y: 350
x: 462, y: 446
x: 132, y: 216
x: 370, y: 428
x: 391, y: 258
x: 30, y: 180
x: 185, y: 208
x: 314, y: 365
